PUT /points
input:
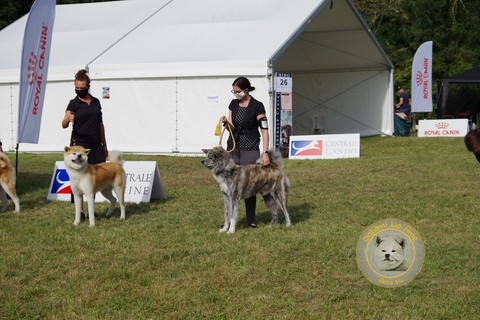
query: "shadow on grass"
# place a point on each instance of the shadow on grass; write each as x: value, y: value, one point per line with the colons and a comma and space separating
x: 298, y: 213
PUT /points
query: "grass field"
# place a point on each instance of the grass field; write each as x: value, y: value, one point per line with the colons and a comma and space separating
x: 168, y: 261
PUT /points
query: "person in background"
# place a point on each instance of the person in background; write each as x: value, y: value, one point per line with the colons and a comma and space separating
x: 85, y: 113
x: 247, y: 117
x: 404, y: 103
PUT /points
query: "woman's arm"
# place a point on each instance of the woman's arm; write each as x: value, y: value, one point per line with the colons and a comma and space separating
x: 69, y: 116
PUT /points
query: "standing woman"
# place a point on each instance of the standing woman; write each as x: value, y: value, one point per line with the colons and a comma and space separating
x: 85, y: 113
x: 246, y: 117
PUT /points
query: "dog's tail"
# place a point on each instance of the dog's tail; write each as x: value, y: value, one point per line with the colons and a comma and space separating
x: 276, y: 159
x: 115, y: 156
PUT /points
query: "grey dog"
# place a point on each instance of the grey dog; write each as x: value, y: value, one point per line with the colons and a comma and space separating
x: 242, y: 182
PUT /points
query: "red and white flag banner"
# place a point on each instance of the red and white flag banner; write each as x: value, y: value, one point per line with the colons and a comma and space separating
x: 422, y: 78
x: 34, y: 69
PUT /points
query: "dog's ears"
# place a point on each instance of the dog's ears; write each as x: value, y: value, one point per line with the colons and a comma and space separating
x: 87, y: 151
x: 66, y: 148
x: 401, y: 242
x: 378, y: 240
x: 206, y: 150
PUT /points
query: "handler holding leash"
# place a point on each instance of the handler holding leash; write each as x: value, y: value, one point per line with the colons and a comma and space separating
x: 246, y: 116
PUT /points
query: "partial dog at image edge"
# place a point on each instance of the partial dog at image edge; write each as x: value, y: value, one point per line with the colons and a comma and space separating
x: 242, y: 182
x: 87, y: 179
x: 389, y: 253
x: 8, y: 183
x: 472, y: 142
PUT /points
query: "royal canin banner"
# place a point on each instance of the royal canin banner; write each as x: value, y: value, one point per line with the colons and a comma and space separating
x: 443, y: 128
x: 422, y: 78
x: 34, y: 68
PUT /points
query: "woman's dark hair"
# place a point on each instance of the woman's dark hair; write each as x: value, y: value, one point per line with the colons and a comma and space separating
x: 243, y: 83
x: 82, y: 75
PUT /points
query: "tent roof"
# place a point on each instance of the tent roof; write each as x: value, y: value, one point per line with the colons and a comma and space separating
x: 175, y: 38
x: 469, y: 76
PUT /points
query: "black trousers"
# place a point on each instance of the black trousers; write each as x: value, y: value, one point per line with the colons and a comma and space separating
x: 244, y: 157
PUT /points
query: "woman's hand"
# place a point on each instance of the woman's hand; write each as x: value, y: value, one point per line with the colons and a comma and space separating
x: 69, y: 117
x: 265, y: 159
x: 223, y: 119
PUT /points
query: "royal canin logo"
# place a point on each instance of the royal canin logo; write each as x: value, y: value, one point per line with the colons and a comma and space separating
x: 442, y: 125
x: 32, y: 67
x: 418, y: 79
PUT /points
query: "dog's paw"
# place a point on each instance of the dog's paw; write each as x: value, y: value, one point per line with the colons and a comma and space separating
x: 92, y: 225
x: 222, y: 230
x: 231, y: 231
x: 76, y: 223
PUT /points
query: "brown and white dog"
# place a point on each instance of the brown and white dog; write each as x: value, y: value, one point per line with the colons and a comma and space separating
x: 8, y: 183
x: 87, y: 179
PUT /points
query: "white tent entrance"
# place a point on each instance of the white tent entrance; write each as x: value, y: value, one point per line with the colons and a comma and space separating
x: 340, y: 105
x: 168, y: 67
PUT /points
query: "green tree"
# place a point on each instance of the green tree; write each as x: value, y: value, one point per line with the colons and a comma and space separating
x: 402, y: 26
x: 11, y: 10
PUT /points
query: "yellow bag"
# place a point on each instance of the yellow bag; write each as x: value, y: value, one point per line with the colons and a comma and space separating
x: 218, y: 129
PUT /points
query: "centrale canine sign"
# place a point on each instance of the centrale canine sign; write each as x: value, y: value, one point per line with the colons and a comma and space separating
x: 143, y: 183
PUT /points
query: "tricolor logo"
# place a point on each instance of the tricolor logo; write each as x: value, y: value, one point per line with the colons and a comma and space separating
x: 307, y: 148
x: 61, y: 182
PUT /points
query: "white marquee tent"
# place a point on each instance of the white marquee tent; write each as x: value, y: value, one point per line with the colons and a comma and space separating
x: 169, y: 66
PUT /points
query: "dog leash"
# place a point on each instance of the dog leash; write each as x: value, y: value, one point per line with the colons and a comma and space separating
x: 219, y: 132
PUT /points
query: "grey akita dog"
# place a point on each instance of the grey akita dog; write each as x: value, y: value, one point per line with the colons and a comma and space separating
x: 242, y: 182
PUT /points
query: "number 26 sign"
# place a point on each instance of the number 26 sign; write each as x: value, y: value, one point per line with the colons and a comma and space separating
x: 283, y: 82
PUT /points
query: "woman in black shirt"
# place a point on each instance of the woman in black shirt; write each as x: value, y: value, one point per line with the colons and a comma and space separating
x: 246, y: 117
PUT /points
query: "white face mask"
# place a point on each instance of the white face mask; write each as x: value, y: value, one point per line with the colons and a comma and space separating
x: 239, y: 95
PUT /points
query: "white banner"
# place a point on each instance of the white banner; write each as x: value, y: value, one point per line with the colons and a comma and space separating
x: 422, y: 78
x: 33, y: 78
x: 325, y: 146
x: 143, y: 182
x: 443, y: 128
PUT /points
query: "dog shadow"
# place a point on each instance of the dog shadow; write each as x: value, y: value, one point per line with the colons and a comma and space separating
x: 131, y: 209
x: 298, y: 213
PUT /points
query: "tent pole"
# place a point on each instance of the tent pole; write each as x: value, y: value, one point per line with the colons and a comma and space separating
x: 16, y: 160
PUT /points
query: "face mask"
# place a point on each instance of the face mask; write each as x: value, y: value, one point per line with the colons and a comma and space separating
x: 82, y: 93
x: 239, y: 95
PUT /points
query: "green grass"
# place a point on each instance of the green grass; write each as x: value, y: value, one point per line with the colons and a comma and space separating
x: 168, y: 261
